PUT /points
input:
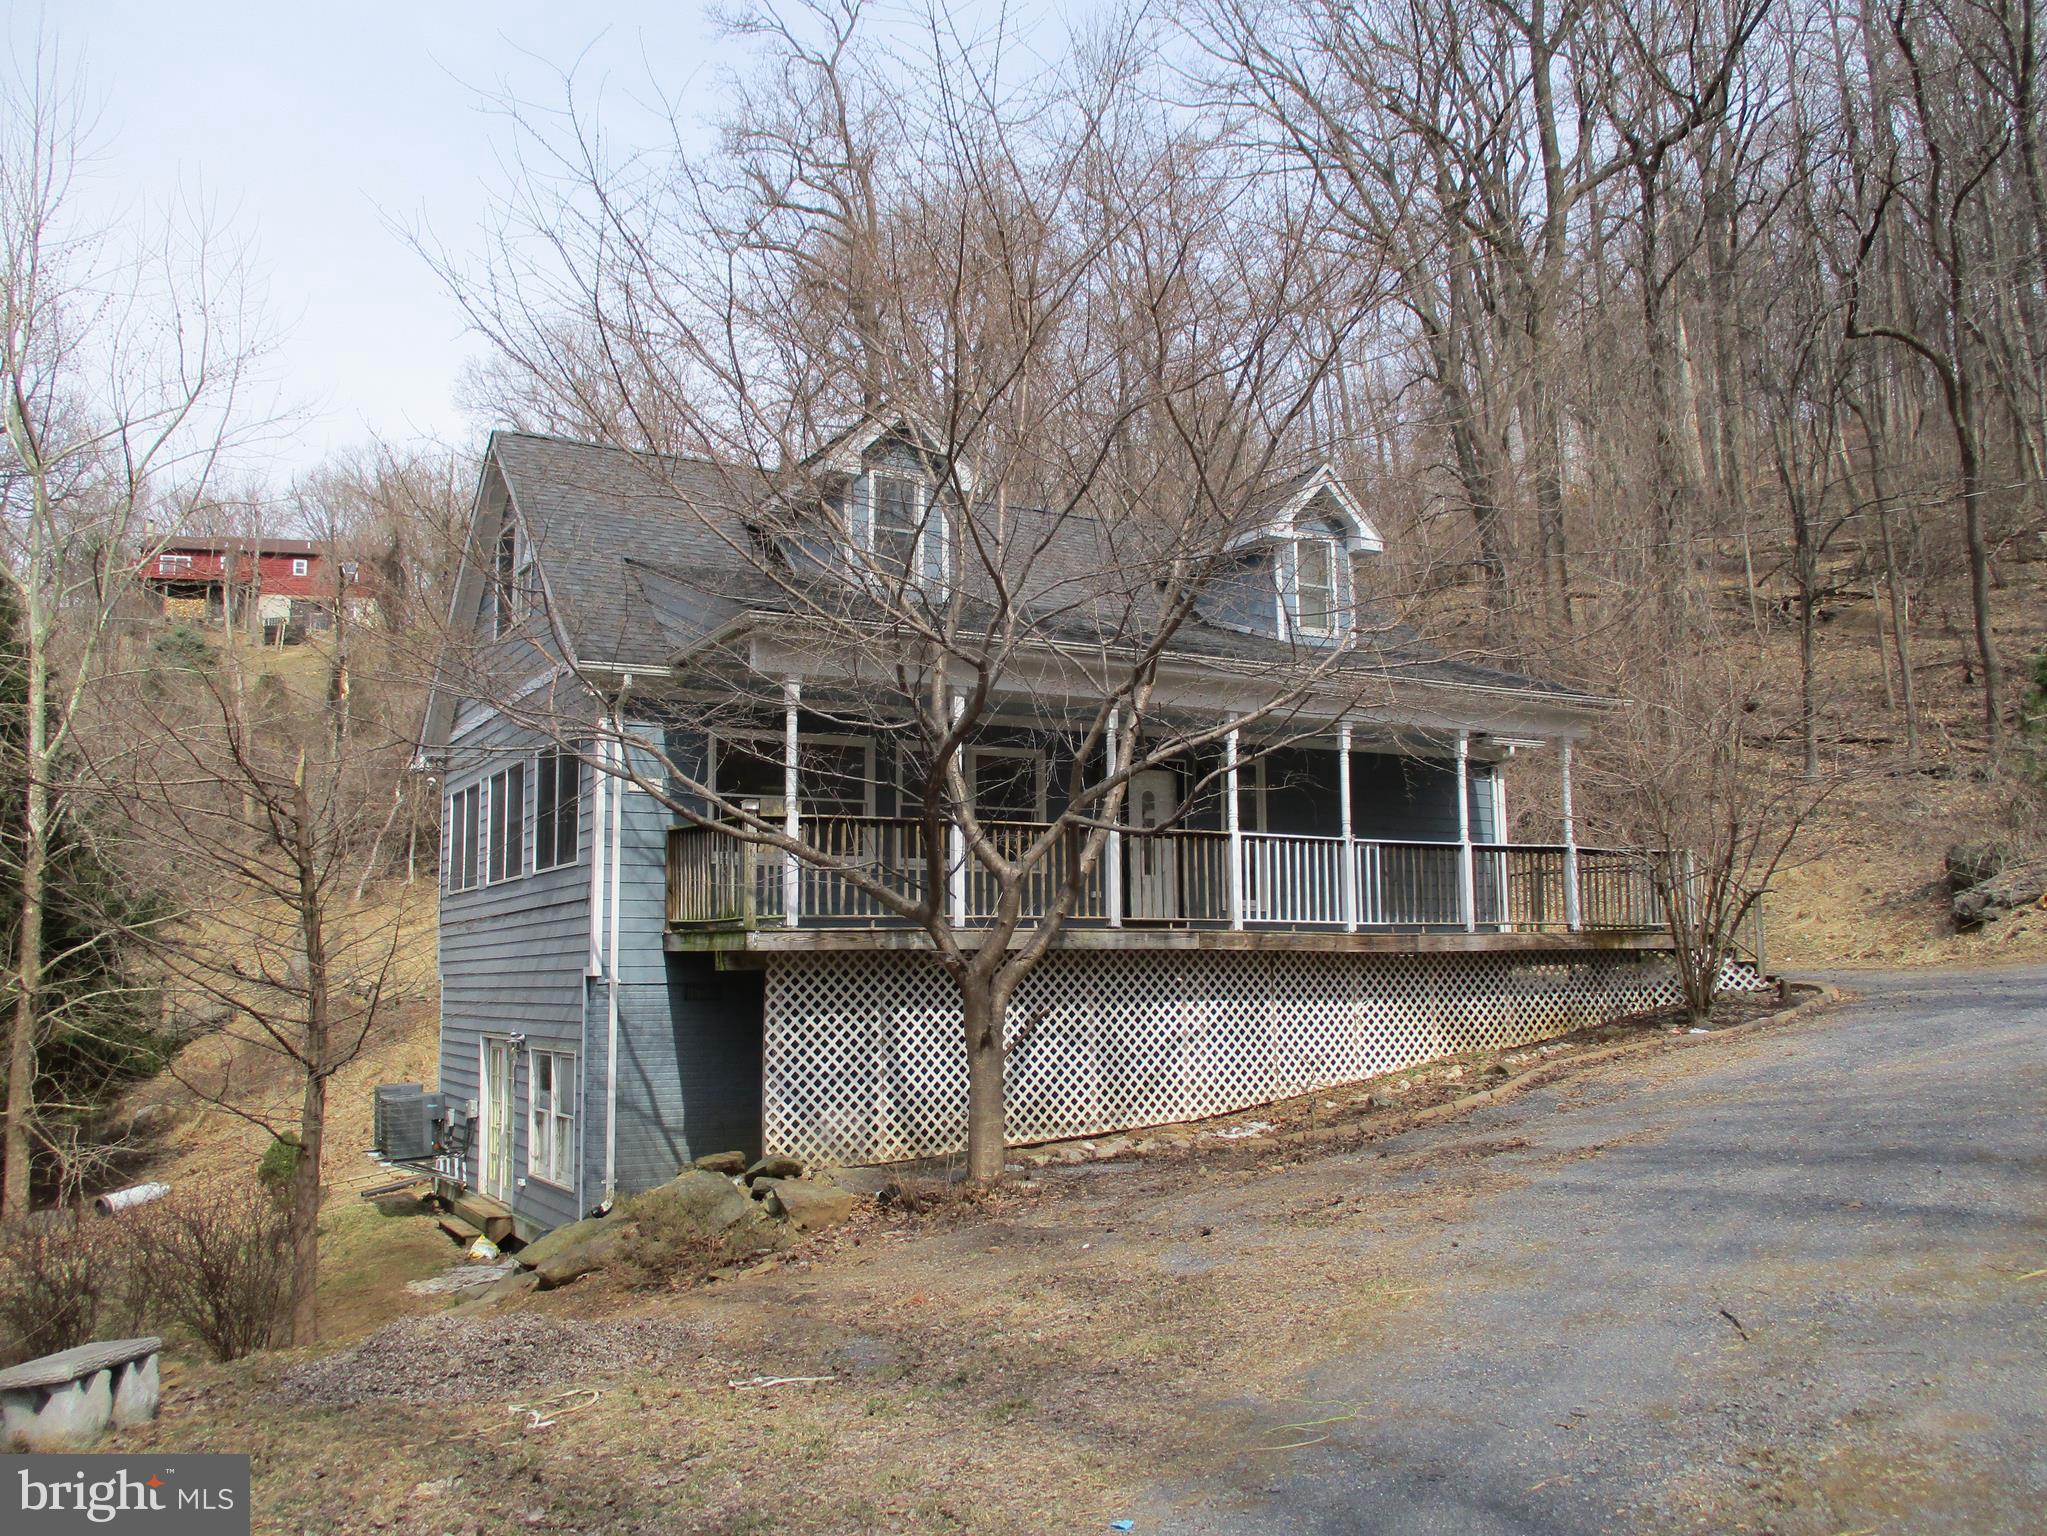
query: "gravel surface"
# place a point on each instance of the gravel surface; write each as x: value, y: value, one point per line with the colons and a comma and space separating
x: 448, y: 1359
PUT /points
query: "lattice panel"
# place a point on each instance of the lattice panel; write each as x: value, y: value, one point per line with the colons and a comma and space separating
x: 865, y: 1062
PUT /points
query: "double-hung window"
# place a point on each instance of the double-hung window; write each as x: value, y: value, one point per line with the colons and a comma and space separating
x: 507, y: 814
x: 1317, y: 600
x: 557, y: 799
x: 298, y: 567
x: 464, y: 825
x: 896, y: 514
x: 551, y: 1117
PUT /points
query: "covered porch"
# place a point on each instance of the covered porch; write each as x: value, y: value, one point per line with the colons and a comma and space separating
x: 1364, y: 830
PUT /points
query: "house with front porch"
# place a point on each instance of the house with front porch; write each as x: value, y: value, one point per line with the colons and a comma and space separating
x: 631, y: 978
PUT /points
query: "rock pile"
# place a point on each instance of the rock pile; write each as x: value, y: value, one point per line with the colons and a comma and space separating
x: 717, y: 1195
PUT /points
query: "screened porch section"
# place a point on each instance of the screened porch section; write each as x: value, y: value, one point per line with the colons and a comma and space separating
x: 1314, y: 840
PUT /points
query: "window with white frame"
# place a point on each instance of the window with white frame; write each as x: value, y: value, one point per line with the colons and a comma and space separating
x: 298, y: 567
x: 505, y: 576
x: 506, y: 816
x: 165, y: 564
x: 464, y: 825
x: 1318, y: 596
x: 551, y: 1117
x: 557, y: 805
x: 895, y: 520
x: 1008, y: 783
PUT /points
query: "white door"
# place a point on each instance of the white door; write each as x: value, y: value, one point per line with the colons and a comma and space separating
x: 1154, y: 881
x: 496, y: 1157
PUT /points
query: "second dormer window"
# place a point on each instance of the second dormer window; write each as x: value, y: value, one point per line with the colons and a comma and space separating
x: 1317, y: 602
x: 896, y: 515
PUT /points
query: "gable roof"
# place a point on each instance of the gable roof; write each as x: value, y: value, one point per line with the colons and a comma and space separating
x: 645, y: 557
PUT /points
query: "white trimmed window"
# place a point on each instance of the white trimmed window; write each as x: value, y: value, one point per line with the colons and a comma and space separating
x: 168, y: 563
x: 557, y: 807
x: 551, y: 1117
x: 893, y: 521
x: 506, y: 814
x: 464, y: 824
x: 1008, y: 783
x: 298, y: 567
x: 1318, y: 595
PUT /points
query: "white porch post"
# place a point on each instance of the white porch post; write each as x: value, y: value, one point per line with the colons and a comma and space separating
x: 792, y: 815
x: 1350, y: 862
x: 1572, y: 917
x: 1467, y: 885
x: 956, y: 835
x: 1233, y: 816
x: 1113, y: 851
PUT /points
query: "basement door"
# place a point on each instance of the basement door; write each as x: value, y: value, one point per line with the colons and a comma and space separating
x: 495, y: 1172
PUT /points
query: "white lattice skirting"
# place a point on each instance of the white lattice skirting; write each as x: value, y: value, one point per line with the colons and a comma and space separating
x: 865, y: 1062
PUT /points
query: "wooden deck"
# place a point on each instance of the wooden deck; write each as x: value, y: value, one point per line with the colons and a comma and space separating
x: 811, y: 941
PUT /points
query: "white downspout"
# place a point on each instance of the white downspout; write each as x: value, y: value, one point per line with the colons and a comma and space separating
x: 616, y: 752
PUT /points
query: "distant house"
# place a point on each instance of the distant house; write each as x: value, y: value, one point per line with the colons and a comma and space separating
x: 278, y: 589
x: 625, y: 988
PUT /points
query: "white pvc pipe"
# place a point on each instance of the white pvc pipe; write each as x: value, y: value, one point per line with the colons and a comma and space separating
x: 127, y: 1199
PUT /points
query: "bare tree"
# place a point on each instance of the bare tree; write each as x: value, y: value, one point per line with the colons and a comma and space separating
x: 1095, y: 344
x: 259, y: 807
x: 123, y: 364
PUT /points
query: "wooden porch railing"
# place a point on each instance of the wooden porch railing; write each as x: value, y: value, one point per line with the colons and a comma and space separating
x: 1175, y: 879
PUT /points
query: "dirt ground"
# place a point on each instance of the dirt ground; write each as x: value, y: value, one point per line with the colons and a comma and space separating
x: 1025, y: 1363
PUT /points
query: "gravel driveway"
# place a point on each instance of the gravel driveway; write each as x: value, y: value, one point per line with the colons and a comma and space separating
x: 1788, y: 1290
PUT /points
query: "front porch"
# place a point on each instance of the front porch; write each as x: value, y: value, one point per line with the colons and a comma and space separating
x: 1316, y: 839
x: 1183, y: 881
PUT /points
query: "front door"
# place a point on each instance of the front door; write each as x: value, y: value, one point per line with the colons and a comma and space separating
x: 1154, y: 882
x: 496, y: 1157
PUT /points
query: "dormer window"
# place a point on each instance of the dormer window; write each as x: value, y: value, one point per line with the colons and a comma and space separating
x: 1318, y: 599
x: 893, y: 522
x: 896, y: 514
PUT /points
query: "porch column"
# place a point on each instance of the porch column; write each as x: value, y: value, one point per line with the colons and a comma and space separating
x: 1467, y: 885
x: 1113, y: 851
x: 1572, y: 918
x: 1232, y: 816
x: 956, y: 834
x: 792, y: 815
x: 1350, y: 862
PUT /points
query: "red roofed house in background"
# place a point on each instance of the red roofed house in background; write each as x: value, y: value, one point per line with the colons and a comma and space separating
x: 282, y: 588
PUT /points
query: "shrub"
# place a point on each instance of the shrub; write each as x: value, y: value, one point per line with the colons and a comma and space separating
x: 182, y: 646
x: 56, y: 1270
x: 280, y: 1162
x: 217, y: 1262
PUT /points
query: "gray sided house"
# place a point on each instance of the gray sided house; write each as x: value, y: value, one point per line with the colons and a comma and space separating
x: 625, y: 987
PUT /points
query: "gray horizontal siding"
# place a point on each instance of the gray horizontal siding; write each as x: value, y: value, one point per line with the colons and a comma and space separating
x: 689, y: 1069
x: 511, y: 962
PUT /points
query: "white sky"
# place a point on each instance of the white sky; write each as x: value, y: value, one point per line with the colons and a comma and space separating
x: 314, y: 129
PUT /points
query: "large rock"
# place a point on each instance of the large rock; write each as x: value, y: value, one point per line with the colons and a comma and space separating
x: 711, y: 1200
x: 807, y: 1204
x: 732, y: 1164
x: 775, y: 1166
x: 1972, y: 863
x: 539, y: 1251
x: 2001, y: 893
x: 584, y: 1258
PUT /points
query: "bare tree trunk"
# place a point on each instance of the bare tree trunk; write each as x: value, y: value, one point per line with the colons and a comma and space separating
x: 21, y: 1044
x: 303, y: 1221
x: 981, y: 1012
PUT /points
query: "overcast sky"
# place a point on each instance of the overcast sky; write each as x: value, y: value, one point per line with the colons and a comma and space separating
x: 315, y: 129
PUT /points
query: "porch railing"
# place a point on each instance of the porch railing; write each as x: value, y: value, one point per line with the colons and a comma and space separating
x: 1178, y: 878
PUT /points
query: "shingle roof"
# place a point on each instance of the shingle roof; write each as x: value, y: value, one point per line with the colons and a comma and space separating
x: 645, y: 556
